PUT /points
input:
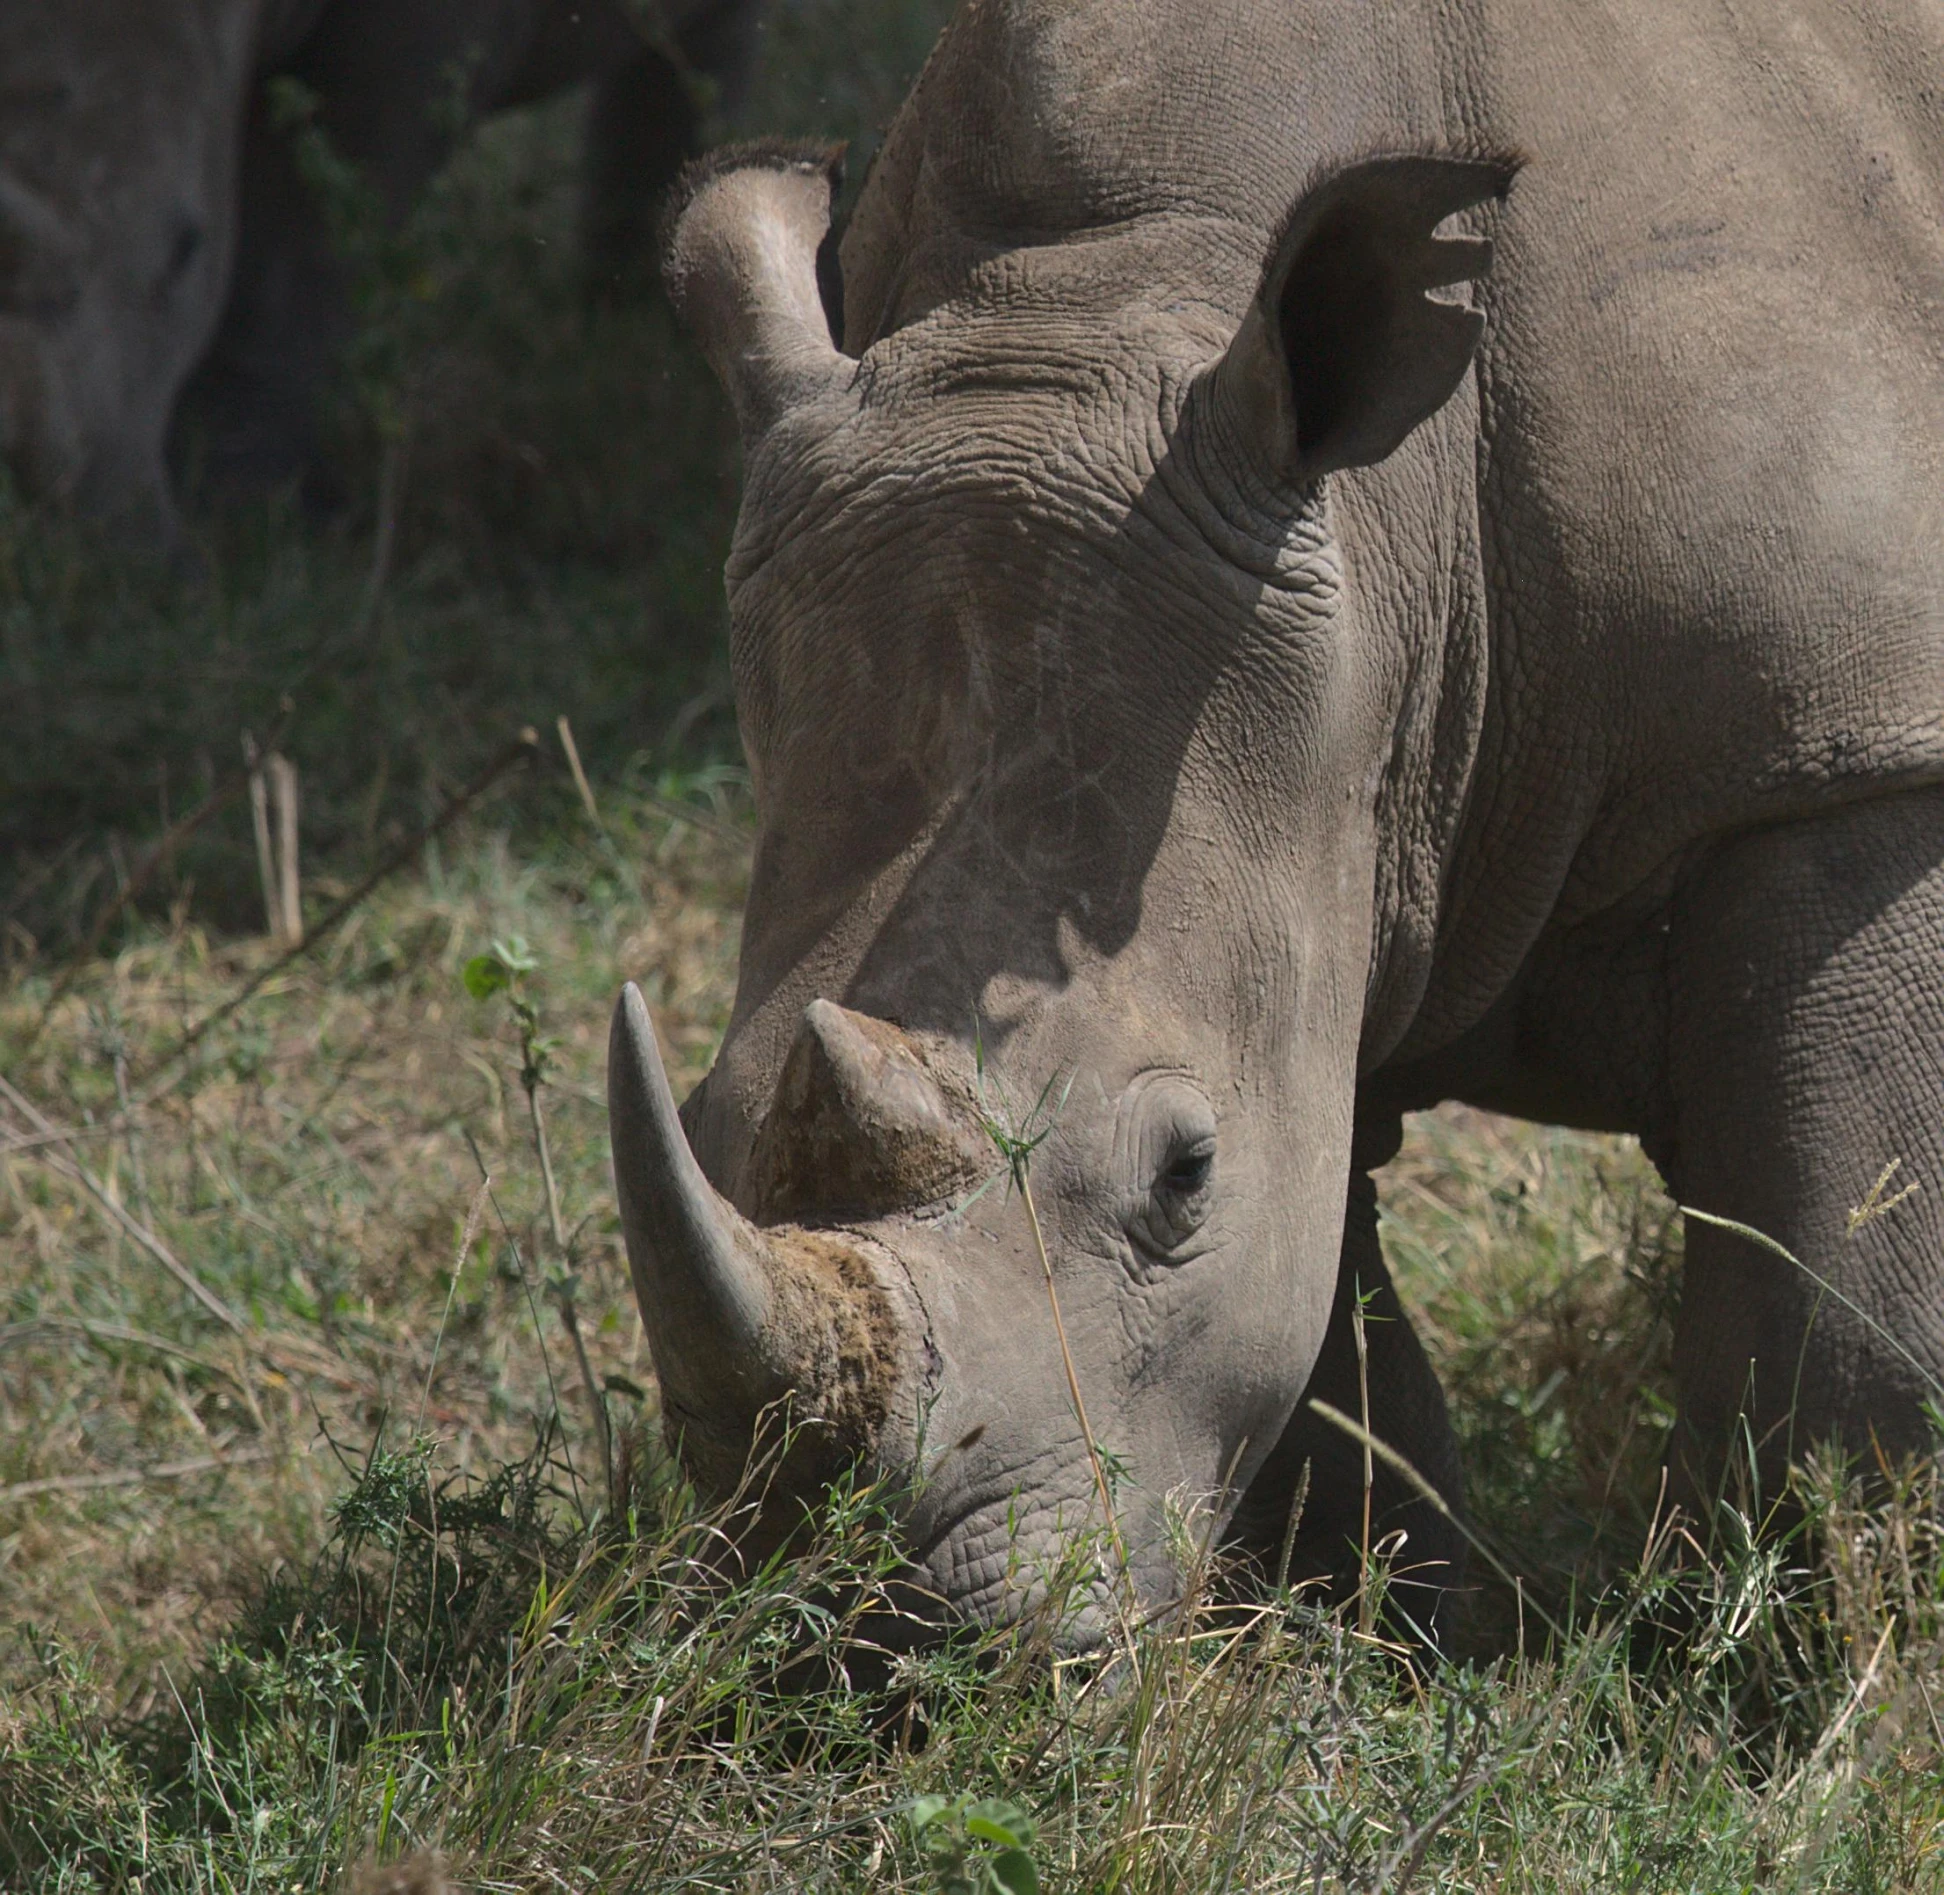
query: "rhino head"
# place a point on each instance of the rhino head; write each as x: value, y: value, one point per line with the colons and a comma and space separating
x: 120, y: 126
x: 1068, y: 723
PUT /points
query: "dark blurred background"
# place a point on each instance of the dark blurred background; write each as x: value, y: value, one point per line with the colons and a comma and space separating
x: 534, y: 489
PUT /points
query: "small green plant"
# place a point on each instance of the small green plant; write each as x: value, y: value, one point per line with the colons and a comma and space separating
x: 976, y: 1846
x: 503, y: 969
x: 378, y: 1504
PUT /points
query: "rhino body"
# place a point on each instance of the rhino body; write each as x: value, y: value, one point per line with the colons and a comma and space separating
x: 1349, y: 557
x: 151, y: 217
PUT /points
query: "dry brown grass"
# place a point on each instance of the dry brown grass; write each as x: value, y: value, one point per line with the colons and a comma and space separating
x: 314, y: 1169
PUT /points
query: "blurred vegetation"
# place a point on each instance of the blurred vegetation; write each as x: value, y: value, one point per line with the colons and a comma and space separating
x: 541, y: 493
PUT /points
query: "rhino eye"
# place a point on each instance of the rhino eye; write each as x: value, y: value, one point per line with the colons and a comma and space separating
x: 1166, y: 1143
x: 1178, y: 1204
x: 1189, y: 1171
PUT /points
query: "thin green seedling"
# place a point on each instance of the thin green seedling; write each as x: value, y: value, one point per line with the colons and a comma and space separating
x: 1016, y: 1144
x: 503, y: 969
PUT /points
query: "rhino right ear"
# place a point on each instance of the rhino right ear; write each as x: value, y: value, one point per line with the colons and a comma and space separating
x: 1342, y: 352
x: 741, y: 238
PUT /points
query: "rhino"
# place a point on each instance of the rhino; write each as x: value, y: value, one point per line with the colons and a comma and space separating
x: 152, y: 219
x: 118, y: 133
x: 1340, y: 558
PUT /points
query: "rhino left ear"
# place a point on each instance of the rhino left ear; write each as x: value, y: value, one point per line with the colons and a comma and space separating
x: 1342, y: 352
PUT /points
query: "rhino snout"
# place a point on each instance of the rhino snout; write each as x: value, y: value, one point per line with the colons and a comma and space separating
x: 743, y: 1318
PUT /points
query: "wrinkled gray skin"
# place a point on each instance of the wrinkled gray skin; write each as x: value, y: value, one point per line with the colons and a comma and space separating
x: 1159, y: 639
x: 150, y: 215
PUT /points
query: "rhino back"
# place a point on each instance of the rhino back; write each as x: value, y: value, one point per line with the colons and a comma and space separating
x: 1712, y: 403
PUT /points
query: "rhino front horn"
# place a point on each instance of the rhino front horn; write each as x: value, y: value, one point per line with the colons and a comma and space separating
x: 702, y: 1273
x: 741, y: 269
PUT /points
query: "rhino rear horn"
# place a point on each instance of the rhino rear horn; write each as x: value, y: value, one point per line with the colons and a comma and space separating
x: 860, y: 1124
x: 740, y: 260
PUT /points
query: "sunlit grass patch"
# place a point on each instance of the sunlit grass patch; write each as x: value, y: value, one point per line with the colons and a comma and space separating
x: 311, y: 1166
x: 472, y: 1670
x: 1542, y: 1267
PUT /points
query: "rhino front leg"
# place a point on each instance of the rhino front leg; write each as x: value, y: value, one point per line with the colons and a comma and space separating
x: 1407, y: 1412
x: 1806, y: 1053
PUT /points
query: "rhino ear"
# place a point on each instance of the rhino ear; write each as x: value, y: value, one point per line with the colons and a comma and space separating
x: 1342, y: 352
x: 741, y: 241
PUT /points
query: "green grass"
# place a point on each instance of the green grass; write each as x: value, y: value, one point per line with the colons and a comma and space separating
x: 321, y: 1571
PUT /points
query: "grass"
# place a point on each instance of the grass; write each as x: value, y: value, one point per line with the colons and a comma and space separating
x: 325, y: 1568
x: 403, y: 1614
